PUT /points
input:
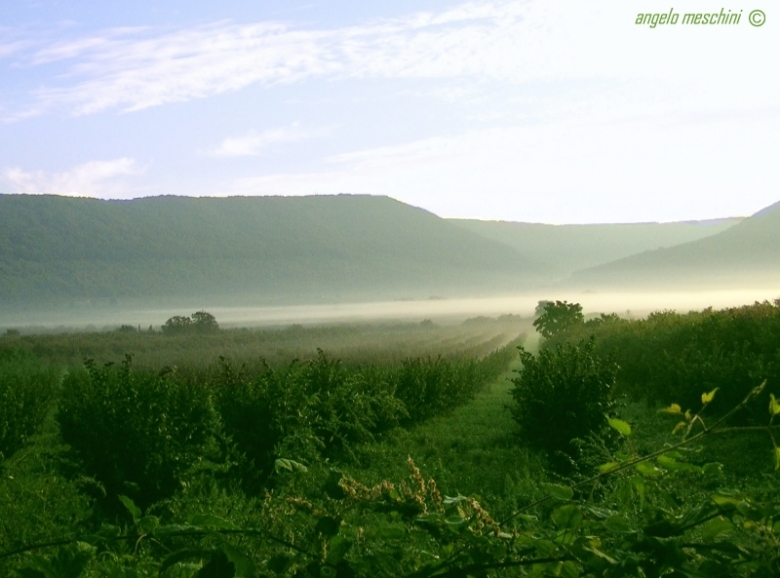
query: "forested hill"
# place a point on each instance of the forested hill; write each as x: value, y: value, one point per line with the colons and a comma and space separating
x: 574, y: 247
x: 258, y: 249
x: 743, y: 255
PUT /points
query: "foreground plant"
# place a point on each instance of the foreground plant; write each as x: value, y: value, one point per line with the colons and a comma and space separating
x: 633, y: 518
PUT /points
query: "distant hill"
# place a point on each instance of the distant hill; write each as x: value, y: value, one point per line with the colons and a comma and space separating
x: 573, y: 247
x: 746, y: 254
x: 256, y: 249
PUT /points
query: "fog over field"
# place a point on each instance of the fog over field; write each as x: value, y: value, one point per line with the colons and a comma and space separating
x: 632, y: 304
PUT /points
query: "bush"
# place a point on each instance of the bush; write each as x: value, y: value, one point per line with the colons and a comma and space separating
x: 302, y: 411
x: 429, y: 386
x: 561, y: 395
x: 135, y: 432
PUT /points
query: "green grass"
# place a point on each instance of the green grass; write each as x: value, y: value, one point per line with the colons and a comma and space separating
x: 471, y: 451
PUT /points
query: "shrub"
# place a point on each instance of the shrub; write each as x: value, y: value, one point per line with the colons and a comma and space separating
x: 560, y: 395
x: 135, y: 432
x: 429, y: 386
x: 302, y: 411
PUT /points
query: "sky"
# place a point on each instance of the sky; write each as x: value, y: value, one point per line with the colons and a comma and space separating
x: 554, y: 111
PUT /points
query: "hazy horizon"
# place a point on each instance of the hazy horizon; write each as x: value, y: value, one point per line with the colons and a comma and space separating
x: 634, y: 304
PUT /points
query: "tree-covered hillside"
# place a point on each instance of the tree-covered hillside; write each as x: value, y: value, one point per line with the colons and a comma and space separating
x: 574, y: 247
x: 742, y: 255
x: 268, y: 248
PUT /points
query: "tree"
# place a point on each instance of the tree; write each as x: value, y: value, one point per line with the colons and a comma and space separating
x: 198, y: 322
x: 176, y: 325
x: 204, y: 322
x: 558, y: 317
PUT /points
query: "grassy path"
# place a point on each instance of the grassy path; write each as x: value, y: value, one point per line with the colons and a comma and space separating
x: 471, y: 451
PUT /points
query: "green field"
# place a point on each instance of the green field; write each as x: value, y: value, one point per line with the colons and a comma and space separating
x: 396, y: 449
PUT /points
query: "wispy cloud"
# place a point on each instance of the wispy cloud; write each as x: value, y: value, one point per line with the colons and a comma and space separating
x: 135, y: 68
x: 104, y: 179
x: 255, y: 143
x: 475, y: 46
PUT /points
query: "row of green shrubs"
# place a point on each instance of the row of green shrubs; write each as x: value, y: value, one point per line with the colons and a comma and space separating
x: 139, y: 432
x: 671, y: 357
x: 26, y: 391
x: 566, y: 394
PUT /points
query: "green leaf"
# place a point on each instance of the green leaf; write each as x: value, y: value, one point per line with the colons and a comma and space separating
x: 618, y: 524
x: 713, y: 470
x: 567, y: 569
x: 134, y: 510
x: 148, y: 524
x: 558, y: 491
x: 286, y: 465
x: 338, y: 548
x: 673, y: 465
x: 173, y: 529
x: 639, y: 486
x: 774, y: 406
x: 609, y: 466
x: 716, y: 528
x: 453, y: 500
x: 620, y: 426
x: 777, y: 458
x: 567, y: 517
x: 725, y: 502
x: 708, y: 397
x: 211, y: 521
x: 672, y: 409
x: 648, y: 470
x: 600, y: 554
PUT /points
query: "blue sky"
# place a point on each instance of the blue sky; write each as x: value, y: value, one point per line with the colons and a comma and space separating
x: 533, y: 110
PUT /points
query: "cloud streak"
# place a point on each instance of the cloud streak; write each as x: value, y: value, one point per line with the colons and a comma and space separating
x: 256, y: 143
x: 104, y: 179
x: 136, y: 68
x: 518, y: 41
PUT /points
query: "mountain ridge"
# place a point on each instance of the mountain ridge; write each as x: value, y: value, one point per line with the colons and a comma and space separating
x: 738, y: 256
x: 298, y: 248
x: 575, y: 247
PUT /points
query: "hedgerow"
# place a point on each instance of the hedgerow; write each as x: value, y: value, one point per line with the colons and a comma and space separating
x: 27, y: 390
x: 672, y: 357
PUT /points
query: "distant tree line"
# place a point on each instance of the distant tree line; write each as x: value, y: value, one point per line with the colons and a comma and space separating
x: 198, y: 322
